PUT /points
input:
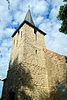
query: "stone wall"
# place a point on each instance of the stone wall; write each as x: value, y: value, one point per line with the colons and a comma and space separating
x: 56, y: 68
x: 32, y: 71
x: 27, y: 71
x: 35, y: 61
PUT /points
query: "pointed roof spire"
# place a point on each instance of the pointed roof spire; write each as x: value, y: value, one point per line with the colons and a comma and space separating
x: 28, y: 18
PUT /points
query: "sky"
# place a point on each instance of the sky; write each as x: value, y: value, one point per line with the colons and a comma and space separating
x: 44, y: 13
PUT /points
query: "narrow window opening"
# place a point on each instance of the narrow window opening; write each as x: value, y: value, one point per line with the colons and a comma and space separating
x: 66, y: 59
x: 36, y: 52
x: 21, y: 34
x: 35, y: 34
x: 35, y: 31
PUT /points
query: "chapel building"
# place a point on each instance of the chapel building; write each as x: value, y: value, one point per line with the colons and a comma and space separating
x: 35, y: 73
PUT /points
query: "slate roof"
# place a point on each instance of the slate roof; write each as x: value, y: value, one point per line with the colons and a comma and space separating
x: 29, y: 18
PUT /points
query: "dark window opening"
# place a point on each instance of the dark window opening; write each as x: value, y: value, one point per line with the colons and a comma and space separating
x: 36, y: 52
x: 11, y: 96
x: 18, y: 31
x: 35, y: 31
x: 35, y: 34
x: 21, y: 34
x: 66, y: 58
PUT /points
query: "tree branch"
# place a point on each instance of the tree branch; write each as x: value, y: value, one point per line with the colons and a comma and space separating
x: 8, y: 4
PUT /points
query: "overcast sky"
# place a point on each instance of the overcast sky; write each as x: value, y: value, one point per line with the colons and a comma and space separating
x: 44, y: 13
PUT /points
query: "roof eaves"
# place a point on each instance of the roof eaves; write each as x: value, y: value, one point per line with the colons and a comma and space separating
x: 4, y: 79
x: 29, y: 25
x: 17, y: 29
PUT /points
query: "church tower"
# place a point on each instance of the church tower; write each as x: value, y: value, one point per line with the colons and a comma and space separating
x: 34, y: 71
x: 27, y: 74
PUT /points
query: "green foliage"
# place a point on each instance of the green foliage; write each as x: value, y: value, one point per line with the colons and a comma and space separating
x: 63, y: 16
x: 65, y: 0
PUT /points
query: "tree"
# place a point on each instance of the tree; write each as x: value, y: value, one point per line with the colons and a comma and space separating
x: 65, y: 0
x: 8, y: 4
x: 63, y: 16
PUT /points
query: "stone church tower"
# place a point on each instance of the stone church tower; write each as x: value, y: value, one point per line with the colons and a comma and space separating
x: 33, y: 70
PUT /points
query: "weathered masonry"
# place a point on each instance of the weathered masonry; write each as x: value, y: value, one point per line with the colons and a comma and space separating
x: 34, y: 72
